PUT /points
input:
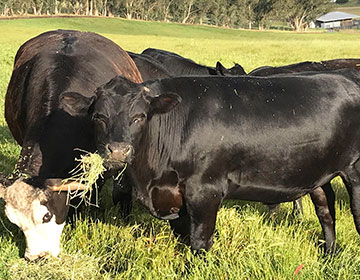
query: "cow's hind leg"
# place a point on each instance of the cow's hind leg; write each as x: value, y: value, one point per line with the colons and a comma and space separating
x: 273, y: 208
x: 297, y: 207
x: 324, y: 202
x: 351, y: 180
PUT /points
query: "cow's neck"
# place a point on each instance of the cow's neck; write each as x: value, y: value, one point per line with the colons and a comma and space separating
x: 155, y: 152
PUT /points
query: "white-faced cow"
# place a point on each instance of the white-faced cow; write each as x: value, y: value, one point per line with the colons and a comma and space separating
x: 267, y: 139
x: 181, y: 66
x: 50, y: 72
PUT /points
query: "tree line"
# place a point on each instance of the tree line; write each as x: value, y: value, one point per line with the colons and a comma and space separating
x: 260, y: 14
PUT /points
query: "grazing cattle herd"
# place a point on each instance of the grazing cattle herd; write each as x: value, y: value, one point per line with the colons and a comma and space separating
x: 190, y: 135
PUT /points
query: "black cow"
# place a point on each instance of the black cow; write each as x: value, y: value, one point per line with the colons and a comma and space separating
x: 151, y: 69
x: 326, y: 65
x: 50, y: 72
x: 148, y: 67
x: 270, y: 140
x: 181, y: 66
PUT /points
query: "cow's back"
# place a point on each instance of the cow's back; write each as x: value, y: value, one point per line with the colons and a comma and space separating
x: 55, y: 62
x: 326, y: 65
x: 149, y: 68
x: 178, y: 65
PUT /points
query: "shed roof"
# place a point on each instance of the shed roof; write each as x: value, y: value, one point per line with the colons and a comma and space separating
x: 335, y: 16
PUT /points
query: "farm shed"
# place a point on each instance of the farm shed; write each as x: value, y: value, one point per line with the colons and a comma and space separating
x: 336, y: 20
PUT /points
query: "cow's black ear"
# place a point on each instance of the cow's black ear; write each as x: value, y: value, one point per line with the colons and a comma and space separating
x: 74, y: 103
x: 220, y: 68
x: 163, y: 103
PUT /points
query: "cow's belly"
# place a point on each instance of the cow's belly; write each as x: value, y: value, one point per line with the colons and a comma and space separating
x: 269, y: 189
x: 273, y: 190
x: 268, y: 195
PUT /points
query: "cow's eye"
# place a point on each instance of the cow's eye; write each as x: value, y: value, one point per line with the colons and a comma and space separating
x: 47, y: 217
x: 139, y: 118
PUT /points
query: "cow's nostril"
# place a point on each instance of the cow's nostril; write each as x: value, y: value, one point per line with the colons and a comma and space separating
x: 111, y: 149
x: 35, y: 258
x: 118, y: 151
x: 127, y: 150
x: 43, y: 254
x: 108, y: 148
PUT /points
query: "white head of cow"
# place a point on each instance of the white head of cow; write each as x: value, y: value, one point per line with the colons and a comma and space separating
x: 40, y: 213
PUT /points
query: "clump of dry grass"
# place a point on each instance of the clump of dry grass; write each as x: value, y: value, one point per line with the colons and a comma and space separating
x: 87, y: 173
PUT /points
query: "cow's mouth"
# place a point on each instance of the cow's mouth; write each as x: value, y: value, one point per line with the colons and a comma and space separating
x: 114, y: 165
x: 117, y: 155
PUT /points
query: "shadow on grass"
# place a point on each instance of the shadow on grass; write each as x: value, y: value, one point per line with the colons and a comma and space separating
x: 6, y: 135
x: 8, y: 152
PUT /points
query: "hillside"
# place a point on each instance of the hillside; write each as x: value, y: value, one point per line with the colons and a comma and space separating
x: 351, y: 7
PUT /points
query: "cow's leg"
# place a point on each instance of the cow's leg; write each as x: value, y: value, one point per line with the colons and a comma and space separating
x: 202, y: 207
x: 122, y: 195
x: 324, y: 202
x: 273, y: 208
x: 297, y: 207
x: 181, y: 226
x: 352, y: 183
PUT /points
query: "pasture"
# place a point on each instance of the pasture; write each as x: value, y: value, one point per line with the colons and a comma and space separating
x: 249, y: 244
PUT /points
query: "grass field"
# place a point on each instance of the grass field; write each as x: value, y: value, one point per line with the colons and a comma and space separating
x: 351, y: 10
x: 248, y: 244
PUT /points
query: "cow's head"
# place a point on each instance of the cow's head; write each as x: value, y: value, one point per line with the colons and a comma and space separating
x: 40, y: 212
x: 121, y: 110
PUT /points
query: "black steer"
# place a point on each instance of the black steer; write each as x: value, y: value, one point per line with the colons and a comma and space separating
x: 270, y: 140
x: 326, y: 65
x: 148, y: 67
x: 50, y: 72
x: 181, y: 66
x: 148, y: 61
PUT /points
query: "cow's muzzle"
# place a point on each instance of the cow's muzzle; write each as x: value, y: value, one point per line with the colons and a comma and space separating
x: 118, y: 154
x: 35, y: 258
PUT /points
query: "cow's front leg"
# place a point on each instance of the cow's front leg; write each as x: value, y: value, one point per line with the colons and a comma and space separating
x: 202, y: 206
x: 181, y: 227
x: 122, y: 195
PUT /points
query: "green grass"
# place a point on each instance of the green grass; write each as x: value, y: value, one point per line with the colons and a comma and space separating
x: 351, y: 10
x: 248, y: 243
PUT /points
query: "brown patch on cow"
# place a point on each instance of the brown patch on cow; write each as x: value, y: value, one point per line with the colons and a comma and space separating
x: 167, y: 200
x: 166, y: 194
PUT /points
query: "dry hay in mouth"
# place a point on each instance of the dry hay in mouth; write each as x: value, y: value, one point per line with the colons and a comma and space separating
x: 87, y: 173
